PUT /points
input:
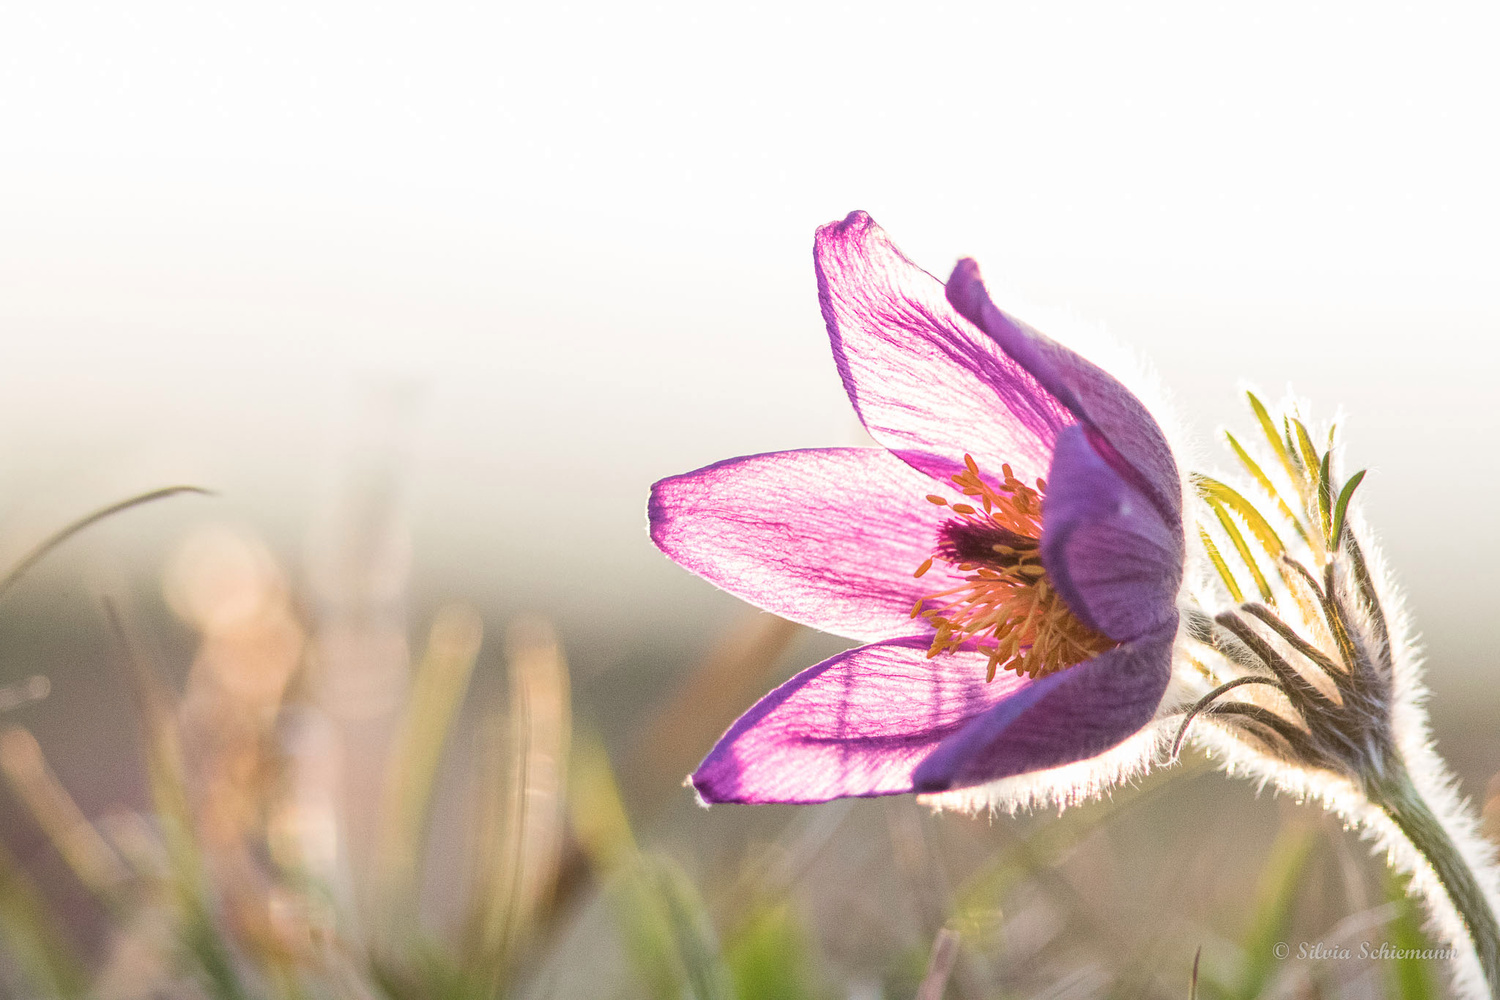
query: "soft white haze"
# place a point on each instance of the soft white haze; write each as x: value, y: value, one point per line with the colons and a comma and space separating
x: 580, y: 236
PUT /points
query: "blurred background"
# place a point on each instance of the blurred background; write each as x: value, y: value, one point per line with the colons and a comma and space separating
x: 430, y: 295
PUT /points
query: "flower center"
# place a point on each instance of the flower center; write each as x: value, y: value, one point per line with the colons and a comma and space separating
x: 1005, y: 604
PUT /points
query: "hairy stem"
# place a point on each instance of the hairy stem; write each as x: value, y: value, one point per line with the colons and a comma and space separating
x: 1395, y: 794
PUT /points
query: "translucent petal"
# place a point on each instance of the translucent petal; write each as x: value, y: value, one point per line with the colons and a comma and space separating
x: 857, y: 724
x: 827, y: 537
x: 1131, y: 440
x: 925, y: 382
x: 1064, y: 717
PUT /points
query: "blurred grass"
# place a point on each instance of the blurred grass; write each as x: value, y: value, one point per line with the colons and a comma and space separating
x: 514, y: 853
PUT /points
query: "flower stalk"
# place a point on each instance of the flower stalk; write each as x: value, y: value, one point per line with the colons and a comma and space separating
x: 1396, y: 796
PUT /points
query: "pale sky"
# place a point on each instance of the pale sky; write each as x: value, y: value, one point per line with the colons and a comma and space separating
x: 580, y: 236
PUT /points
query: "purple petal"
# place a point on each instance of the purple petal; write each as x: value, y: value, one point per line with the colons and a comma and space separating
x: 1135, y: 444
x: 1068, y: 716
x: 828, y: 537
x: 1105, y: 546
x: 927, y: 384
x: 857, y: 724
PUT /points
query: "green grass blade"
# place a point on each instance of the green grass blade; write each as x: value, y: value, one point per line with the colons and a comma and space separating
x: 1411, y: 978
x: 670, y: 936
x: 68, y: 531
x: 522, y: 820
x: 32, y: 937
x: 662, y: 919
x: 596, y: 810
x: 441, y: 679
x: 1281, y: 878
x: 166, y: 772
x: 769, y: 956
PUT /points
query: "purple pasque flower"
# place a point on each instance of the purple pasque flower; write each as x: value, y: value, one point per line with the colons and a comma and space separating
x: 1024, y: 513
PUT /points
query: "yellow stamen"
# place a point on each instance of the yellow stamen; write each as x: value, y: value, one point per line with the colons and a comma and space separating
x: 1005, y: 606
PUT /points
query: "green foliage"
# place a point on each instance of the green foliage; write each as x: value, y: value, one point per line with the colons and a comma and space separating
x: 769, y: 955
x: 1271, y: 919
x: 1411, y: 977
x: 31, y: 934
x: 670, y: 936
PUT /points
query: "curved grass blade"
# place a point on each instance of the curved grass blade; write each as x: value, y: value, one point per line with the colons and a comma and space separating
x: 47, y: 545
x: 522, y: 820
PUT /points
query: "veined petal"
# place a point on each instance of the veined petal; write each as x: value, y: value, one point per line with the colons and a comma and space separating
x: 1135, y: 443
x: 925, y: 382
x: 826, y: 537
x: 1105, y: 546
x: 857, y: 724
x: 1064, y: 717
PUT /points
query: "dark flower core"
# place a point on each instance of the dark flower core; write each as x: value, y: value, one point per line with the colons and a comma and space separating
x: 1005, y: 606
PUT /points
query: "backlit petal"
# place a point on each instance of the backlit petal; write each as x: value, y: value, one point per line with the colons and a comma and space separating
x: 926, y: 383
x: 1135, y: 443
x: 856, y: 724
x: 1064, y: 717
x: 828, y: 537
